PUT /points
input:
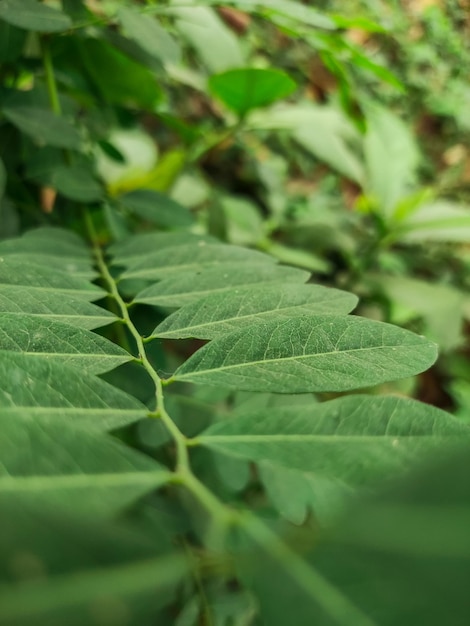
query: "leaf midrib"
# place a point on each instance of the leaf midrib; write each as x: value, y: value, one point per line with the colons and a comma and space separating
x: 298, y: 438
x: 45, y: 482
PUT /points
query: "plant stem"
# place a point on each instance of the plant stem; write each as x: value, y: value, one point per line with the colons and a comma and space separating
x: 50, y: 77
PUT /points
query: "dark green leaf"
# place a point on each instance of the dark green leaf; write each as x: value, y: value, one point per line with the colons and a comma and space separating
x: 190, y: 287
x: 220, y: 313
x: 59, y: 342
x: 33, y: 386
x: 310, y: 353
x: 77, y: 183
x: 44, y: 126
x: 157, y: 208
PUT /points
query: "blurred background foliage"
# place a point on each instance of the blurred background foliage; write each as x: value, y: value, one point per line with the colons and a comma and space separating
x: 333, y: 135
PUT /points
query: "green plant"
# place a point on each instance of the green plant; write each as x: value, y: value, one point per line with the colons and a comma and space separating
x: 177, y: 443
x: 62, y: 470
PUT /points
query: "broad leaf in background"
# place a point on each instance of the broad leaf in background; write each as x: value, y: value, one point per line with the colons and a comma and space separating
x: 221, y: 313
x: 33, y: 15
x: 157, y: 208
x: 77, y: 182
x: 149, y: 35
x: 44, y: 126
x: 34, y: 386
x: 216, y: 45
x: 391, y: 159
x: 309, y: 353
x: 250, y: 88
x: 322, y: 130
x: 440, y: 221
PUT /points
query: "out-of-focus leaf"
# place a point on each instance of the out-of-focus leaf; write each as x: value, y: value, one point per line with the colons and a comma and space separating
x: 77, y: 183
x: 391, y: 159
x: 250, y: 88
x: 12, y: 40
x: 44, y: 126
x: 157, y: 208
x: 440, y: 221
x: 149, y: 35
x: 35, y: 16
x: 216, y: 45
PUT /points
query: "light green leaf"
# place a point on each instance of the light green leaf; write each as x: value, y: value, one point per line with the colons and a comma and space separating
x: 149, y: 35
x: 192, y: 258
x: 220, y: 313
x: 250, y: 88
x: 214, y: 42
x: 44, y: 126
x: 52, y: 463
x: 157, y: 208
x: 356, y: 439
x: 59, y: 342
x: 53, y: 306
x: 309, y: 353
x: 77, y: 183
x: 76, y: 266
x: 440, y: 221
x: 129, y: 251
x: 391, y: 159
x: 190, y: 287
x: 32, y: 15
x: 39, y: 387
x: 14, y: 271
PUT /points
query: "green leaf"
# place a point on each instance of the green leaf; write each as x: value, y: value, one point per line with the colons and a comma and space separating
x: 59, y: 342
x: 77, y: 183
x: 296, y: 493
x: 12, y: 40
x: 309, y: 353
x: 215, y: 44
x: 356, y: 439
x: 391, y: 159
x: 403, y: 557
x: 49, y: 461
x: 189, y: 287
x: 157, y: 208
x: 44, y: 126
x: 32, y: 15
x: 39, y: 387
x: 129, y: 251
x: 220, y: 313
x: 149, y: 35
x: 250, y: 88
x: 117, y: 77
x: 16, y: 271
x: 93, y: 568
x: 439, y: 221
x: 192, y: 258
x: 53, y: 306
x: 48, y: 241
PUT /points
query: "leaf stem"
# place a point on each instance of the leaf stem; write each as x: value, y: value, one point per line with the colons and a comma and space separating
x: 50, y: 77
